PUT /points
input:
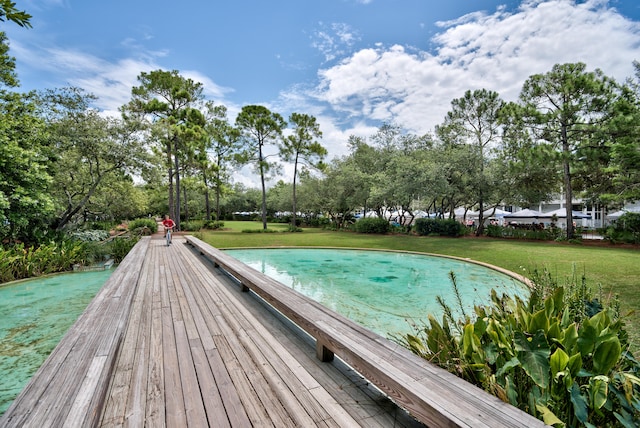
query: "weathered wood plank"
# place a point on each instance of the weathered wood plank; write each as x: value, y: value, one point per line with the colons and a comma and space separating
x: 131, y: 362
x: 428, y: 392
x: 278, y: 363
x: 155, y: 391
x: 49, y: 396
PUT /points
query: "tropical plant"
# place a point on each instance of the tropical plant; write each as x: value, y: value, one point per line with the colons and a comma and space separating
x: 20, y: 261
x: 120, y: 247
x: 560, y: 356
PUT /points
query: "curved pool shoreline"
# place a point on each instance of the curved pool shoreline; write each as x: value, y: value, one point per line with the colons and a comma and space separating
x: 379, y: 288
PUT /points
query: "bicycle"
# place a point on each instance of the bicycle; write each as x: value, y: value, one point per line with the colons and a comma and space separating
x: 168, y: 236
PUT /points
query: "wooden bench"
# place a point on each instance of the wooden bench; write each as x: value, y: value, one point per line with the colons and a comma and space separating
x: 431, y: 394
x: 69, y: 388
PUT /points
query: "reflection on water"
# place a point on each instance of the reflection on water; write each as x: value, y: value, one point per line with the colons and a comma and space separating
x: 384, y: 291
x: 34, y: 316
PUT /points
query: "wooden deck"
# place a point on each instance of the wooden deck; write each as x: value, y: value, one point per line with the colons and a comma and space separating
x: 170, y: 341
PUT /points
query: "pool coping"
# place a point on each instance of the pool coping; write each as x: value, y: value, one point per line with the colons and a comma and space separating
x: 526, y: 281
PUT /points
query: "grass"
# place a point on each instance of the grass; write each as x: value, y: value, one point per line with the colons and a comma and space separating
x: 615, y: 269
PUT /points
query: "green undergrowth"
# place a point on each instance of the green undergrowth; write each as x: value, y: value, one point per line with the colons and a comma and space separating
x: 562, y: 356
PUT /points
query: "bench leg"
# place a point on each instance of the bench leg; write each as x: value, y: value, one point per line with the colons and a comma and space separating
x: 323, y: 353
x: 244, y: 288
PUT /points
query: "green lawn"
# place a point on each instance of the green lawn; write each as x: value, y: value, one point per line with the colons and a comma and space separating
x: 616, y: 269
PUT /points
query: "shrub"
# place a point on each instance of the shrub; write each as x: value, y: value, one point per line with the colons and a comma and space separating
x: 143, y: 226
x: 191, y: 226
x: 213, y: 225
x: 101, y: 225
x: 372, y: 225
x: 625, y: 229
x: 440, y: 227
x: 559, y: 356
x: 120, y: 247
x: 522, y: 233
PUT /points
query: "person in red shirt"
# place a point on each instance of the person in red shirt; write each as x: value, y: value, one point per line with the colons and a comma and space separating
x: 168, y: 224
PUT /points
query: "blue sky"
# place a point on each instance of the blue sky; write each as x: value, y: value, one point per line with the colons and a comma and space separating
x: 353, y: 64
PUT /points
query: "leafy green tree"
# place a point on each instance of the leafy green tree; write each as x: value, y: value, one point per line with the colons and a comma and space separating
x: 241, y: 199
x: 566, y: 108
x: 279, y: 197
x: 259, y: 127
x: 302, y: 149
x: 338, y: 194
x: 474, y: 120
x: 224, y: 144
x: 8, y: 12
x: 26, y: 206
x: 624, y: 162
x: 452, y: 185
x: 363, y: 161
x: 532, y: 175
x: 8, y: 76
x: 118, y: 199
x: 170, y: 103
x: 88, y: 150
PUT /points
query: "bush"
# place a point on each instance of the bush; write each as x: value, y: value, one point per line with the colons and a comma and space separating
x: 213, y: 225
x: 561, y: 356
x: 439, y: 227
x: 259, y: 231
x: 143, y: 226
x: 191, y: 226
x: 625, y: 229
x: 372, y: 225
x: 120, y: 247
x: 522, y: 233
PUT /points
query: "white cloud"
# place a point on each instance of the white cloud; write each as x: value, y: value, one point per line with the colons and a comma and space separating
x: 497, y: 51
x: 334, y: 40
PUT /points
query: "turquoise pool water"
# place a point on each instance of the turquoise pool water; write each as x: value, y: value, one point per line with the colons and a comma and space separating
x: 387, y: 292
x: 34, y: 316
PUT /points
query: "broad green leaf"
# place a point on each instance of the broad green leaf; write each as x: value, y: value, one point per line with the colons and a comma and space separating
x: 549, y: 307
x: 580, y: 408
x: 539, y: 321
x: 606, y: 356
x: 600, y: 321
x: 514, y: 362
x: 533, y: 354
x: 558, y: 362
x: 512, y: 391
x: 566, y: 317
x: 626, y: 420
x: 558, y: 300
x: 570, y: 338
x: 598, y: 390
x: 548, y: 417
x: 554, y: 331
x: 575, y: 364
x: 587, y: 339
x: 480, y: 326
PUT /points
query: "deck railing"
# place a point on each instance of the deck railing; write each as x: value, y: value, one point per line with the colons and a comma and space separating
x: 429, y: 393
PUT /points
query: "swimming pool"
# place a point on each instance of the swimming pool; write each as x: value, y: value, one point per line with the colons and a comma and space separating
x: 385, y: 291
x: 34, y: 315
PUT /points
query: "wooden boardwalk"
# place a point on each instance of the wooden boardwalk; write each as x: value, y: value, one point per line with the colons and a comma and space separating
x: 171, y: 341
